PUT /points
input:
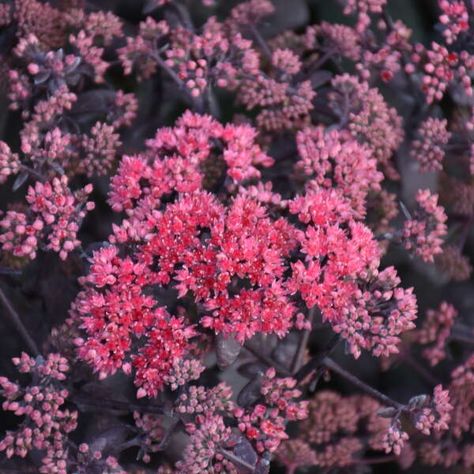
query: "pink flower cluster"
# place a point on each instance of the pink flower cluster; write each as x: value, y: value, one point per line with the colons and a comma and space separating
x: 340, y: 429
x: 335, y: 160
x: 378, y: 314
x: 46, y: 422
x: 429, y: 148
x: 176, y: 158
x: 115, y: 314
x: 435, y: 415
x: 367, y: 116
x: 53, y: 220
x: 441, y: 67
x: 265, y: 424
x: 454, y: 18
x: 423, y: 233
x: 435, y: 331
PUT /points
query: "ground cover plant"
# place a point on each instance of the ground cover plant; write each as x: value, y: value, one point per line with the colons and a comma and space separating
x: 236, y: 237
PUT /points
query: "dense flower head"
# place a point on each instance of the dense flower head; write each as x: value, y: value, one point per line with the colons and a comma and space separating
x: 335, y: 160
x: 114, y: 312
x: 9, y: 162
x: 435, y: 414
x: 339, y: 429
x: 435, y: 332
x: 428, y: 149
x: 454, y: 18
x: 423, y: 233
x: 264, y: 426
x: 52, y: 222
x: 347, y: 250
x: 176, y: 157
x: 342, y: 39
x: 379, y: 312
x: 369, y: 118
x: 46, y: 422
x: 202, y: 453
x: 441, y: 68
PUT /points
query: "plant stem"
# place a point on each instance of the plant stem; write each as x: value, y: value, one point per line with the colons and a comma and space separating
x: 299, y: 355
x: 237, y: 461
x: 197, y: 104
x: 414, y: 364
x: 117, y: 405
x: 376, y: 460
x: 14, y: 317
x: 331, y: 365
x: 316, y: 361
x: 263, y: 45
x: 268, y: 360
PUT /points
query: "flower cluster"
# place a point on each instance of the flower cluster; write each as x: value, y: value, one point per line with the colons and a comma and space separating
x: 336, y: 160
x: 423, y: 233
x: 368, y: 118
x: 455, y: 19
x: 435, y: 332
x: 339, y: 430
x: 46, y: 422
x: 53, y: 220
x: 264, y: 425
x: 428, y: 149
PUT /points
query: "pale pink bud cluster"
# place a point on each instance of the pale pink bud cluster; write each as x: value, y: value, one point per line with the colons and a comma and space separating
x: 251, y: 12
x: 341, y: 39
x: 339, y: 429
x: 429, y: 148
x: 395, y: 438
x: 202, y: 454
x: 423, y: 234
x: 53, y: 219
x: 183, y: 372
x: 364, y: 8
x: 287, y: 61
x: 9, y: 162
x: 435, y: 331
x: 369, y: 119
x: 280, y: 105
x: 435, y: 414
x: 264, y: 425
x: 440, y: 68
x: 379, y: 313
x: 99, y: 149
x: 90, y: 54
x: 45, y: 422
x: 454, y: 18
x: 200, y: 400
x: 152, y: 430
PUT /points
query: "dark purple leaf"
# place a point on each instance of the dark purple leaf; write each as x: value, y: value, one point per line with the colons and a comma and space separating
x: 227, y: 349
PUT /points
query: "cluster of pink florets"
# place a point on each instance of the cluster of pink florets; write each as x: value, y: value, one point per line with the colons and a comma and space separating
x: 423, y: 233
x: 454, y: 18
x: 429, y: 148
x: 46, y: 422
x: 53, y: 220
x: 264, y: 425
x: 435, y: 332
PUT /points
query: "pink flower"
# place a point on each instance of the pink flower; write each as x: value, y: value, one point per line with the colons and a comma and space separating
x: 423, y: 234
